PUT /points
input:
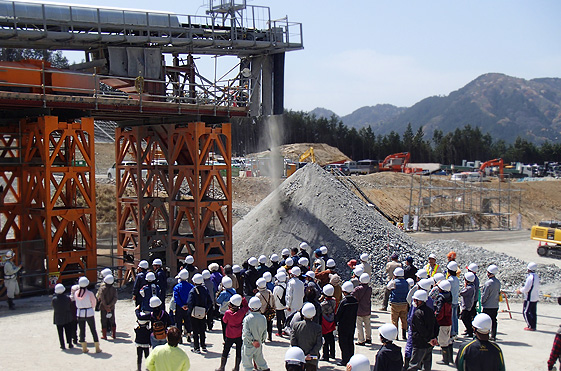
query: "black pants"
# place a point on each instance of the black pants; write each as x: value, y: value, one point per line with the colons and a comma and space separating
x: 199, y: 336
x: 91, y: 324
x: 139, y: 352
x: 183, y: 319
x: 210, y: 318
x: 467, y: 318
x: 281, y: 321
x: 329, y: 345
x: 347, y: 345
x: 529, y: 310
x: 228, y: 345
x: 223, y: 329
x: 67, y: 328
x: 107, y: 323
x: 492, y: 312
x: 74, y: 330
x: 270, y: 329
x: 421, y: 358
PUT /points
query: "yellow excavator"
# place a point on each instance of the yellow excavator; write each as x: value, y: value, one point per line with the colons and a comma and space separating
x: 548, y: 233
x: 308, y: 153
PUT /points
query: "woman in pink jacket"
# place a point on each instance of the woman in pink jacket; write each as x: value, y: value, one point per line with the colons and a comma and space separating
x: 85, y: 304
x: 233, y: 318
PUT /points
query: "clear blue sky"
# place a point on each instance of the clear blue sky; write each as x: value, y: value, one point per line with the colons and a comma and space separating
x: 362, y: 53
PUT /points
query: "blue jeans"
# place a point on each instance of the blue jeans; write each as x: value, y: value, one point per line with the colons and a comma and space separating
x: 454, y: 331
x: 155, y: 342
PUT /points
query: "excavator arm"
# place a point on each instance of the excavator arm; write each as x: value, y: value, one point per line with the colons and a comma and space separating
x: 495, y: 162
x: 308, y: 153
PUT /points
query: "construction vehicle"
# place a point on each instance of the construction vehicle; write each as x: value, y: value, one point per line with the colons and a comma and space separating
x: 397, y: 163
x: 548, y: 233
x: 309, y: 153
x: 491, y: 163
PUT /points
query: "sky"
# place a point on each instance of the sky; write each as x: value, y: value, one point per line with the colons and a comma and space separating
x: 363, y: 53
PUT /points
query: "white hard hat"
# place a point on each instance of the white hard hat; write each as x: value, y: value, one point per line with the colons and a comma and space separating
x: 254, y: 303
x: 285, y: 252
x: 303, y: 261
x: 304, y: 245
x: 432, y: 256
x: 143, y: 264
x: 281, y: 276
x: 109, y: 279
x: 323, y: 250
x: 493, y: 269
x: 445, y: 285
x: 198, y: 279
x: 426, y: 283
x: 310, y: 274
x: 236, y: 300
x: 296, y: 271
x: 155, y: 302
x: 289, y: 262
x: 9, y: 254
x: 236, y: 269
x: 83, y: 282
x: 227, y: 282
x: 421, y: 273
x: 184, y: 274
x: 364, y: 257
x: 253, y: 261
x: 189, y: 259
x: 261, y: 283
x: 59, y: 288
x: 470, y: 277
x: 358, y: 362
x: 274, y: 258
x: 453, y: 266
x: 308, y: 310
x: 328, y: 290
x: 348, y: 286
x: 262, y: 259
x: 532, y: 266
x: 410, y: 282
x: 438, y: 277
x: 358, y: 271
x: 420, y: 295
x: 157, y: 262
x: 150, y: 276
x: 106, y: 272
x: 282, y: 269
x: 206, y: 274
x: 388, y: 331
x: 295, y: 355
x: 268, y: 276
x: 398, y: 272
x: 330, y: 263
x: 213, y: 267
x: 482, y: 322
x: 473, y: 267
x: 364, y: 278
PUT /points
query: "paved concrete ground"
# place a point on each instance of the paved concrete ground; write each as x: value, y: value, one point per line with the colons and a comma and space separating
x: 29, y: 341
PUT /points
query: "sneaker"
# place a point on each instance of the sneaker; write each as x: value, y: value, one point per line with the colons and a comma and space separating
x: 529, y: 329
x: 195, y: 350
x: 368, y: 341
x: 278, y: 334
x: 203, y: 349
x: 362, y: 343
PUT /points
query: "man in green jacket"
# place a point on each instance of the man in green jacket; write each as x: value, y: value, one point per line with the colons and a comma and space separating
x: 254, y: 334
x: 169, y: 357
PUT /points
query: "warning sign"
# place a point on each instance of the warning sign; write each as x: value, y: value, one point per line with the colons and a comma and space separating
x: 53, y: 279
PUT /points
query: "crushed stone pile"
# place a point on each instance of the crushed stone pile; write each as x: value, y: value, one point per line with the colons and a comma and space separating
x: 313, y: 206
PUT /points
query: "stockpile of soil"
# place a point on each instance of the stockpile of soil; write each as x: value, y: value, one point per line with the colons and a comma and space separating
x: 324, y: 153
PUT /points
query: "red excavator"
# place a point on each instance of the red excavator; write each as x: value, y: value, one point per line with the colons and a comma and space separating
x: 397, y: 162
x: 495, y: 162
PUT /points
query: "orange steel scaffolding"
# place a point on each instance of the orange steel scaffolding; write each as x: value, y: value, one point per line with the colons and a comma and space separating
x: 174, y: 193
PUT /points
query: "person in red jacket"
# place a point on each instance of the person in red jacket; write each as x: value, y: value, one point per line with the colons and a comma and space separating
x: 443, y: 313
x: 233, y: 319
x: 555, y: 350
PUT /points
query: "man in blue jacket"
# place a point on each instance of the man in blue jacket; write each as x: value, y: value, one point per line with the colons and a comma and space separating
x: 180, y: 296
x: 199, y: 297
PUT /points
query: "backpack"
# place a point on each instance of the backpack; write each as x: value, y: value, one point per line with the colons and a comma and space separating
x: 270, y: 311
x: 159, y: 330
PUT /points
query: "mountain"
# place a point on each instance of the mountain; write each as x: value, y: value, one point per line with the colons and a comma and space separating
x: 324, y: 113
x: 505, y: 107
x: 372, y: 115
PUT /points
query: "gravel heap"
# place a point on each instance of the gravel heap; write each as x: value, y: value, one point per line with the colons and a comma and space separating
x: 313, y: 206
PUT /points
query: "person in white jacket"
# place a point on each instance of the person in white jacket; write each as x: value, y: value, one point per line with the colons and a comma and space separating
x: 85, y: 304
x: 279, y: 293
x: 294, y: 292
x: 531, y: 291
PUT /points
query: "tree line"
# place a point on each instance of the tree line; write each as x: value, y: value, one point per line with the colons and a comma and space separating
x: 468, y: 143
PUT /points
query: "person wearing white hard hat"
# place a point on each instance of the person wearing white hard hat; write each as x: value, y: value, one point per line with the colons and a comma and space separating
x: 279, y: 294
x: 239, y: 273
x: 424, y: 332
x: 62, y: 316
x: 233, y: 318
x: 310, y: 282
x: 421, y: 274
x: 306, y: 334
x: 363, y: 294
x: 389, y: 356
x: 105, y: 272
x: 390, y: 267
x: 303, y: 263
x: 229, y: 272
x: 250, y: 277
x: 531, y: 291
x: 455, y: 292
x: 294, y: 292
x: 85, y: 304
x: 294, y: 359
x: 467, y: 303
x: 199, y: 303
x: 209, y: 284
x: 142, y: 337
x: 180, y: 296
x: 431, y: 267
x: 225, y: 292
x: 275, y: 263
x: 480, y: 354
x: 267, y: 304
x: 11, y: 278
x: 322, y: 277
x: 107, y: 298
x: 490, y: 297
x: 328, y: 306
x: 346, y: 322
x: 254, y: 334
x: 365, y: 261
x: 150, y: 289
x: 355, y: 276
x: 139, y: 282
x: 285, y: 254
x: 473, y: 268
x: 303, y: 253
x: 160, y: 320
x: 443, y: 313
x: 161, y: 279
x: 190, y: 267
x: 358, y: 362
x: 399, y: 288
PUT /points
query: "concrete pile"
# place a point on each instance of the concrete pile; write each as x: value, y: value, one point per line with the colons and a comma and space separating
x: 315, y: 207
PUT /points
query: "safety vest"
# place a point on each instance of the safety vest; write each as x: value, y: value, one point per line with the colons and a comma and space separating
x: 433, y: 271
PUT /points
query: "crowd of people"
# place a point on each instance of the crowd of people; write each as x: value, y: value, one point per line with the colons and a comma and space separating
x: 304, y: 299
